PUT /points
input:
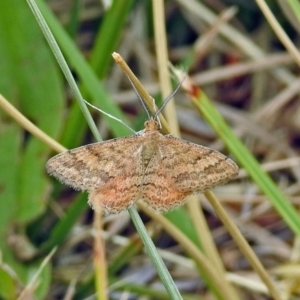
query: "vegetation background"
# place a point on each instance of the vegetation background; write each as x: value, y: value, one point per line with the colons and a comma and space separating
x: 230, y: 50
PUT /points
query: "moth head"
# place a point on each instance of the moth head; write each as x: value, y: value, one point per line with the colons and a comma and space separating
x: 152, y: 125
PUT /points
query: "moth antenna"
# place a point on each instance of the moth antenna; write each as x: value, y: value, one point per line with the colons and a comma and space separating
x: 109, y: 115
x: 159, y: 123
x: 139, y: 96
x: 166, y: 101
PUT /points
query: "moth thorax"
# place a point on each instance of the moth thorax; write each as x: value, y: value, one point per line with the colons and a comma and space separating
x: 150, y: 148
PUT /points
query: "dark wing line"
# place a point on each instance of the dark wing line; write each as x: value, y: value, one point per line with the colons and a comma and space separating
x: 87, y: 167
x: 195, y: 167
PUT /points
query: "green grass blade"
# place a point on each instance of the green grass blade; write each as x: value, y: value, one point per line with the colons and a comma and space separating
x: 295, y: 7
x: 64, y: 67
x: 155, y: 257
x: 152, y: 252
x: 85, y: 73
x: 64, y: 226
x: 246, y: 159
x: 109, y: 35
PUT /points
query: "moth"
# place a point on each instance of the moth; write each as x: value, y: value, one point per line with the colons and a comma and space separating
x: 161, y: 170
